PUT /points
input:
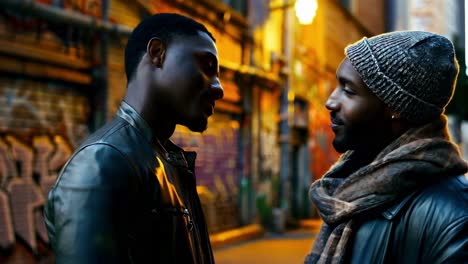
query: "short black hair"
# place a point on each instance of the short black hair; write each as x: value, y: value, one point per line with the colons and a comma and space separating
x: 164, y: 26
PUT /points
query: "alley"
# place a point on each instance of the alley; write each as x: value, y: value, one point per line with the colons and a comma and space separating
x: 289, y: 248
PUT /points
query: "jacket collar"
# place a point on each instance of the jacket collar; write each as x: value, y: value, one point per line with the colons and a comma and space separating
x: 391, y: 212
x: 179, y: 157
x: 172, y: 153
x: 130, y: 115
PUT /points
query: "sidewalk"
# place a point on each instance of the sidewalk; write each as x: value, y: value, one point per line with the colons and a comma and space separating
x: 254, y: 231
x: 312, y: 224
x: 289, y: 247
x: 236, y: 235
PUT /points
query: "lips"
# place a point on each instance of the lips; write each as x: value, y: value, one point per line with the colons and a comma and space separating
x: 335, y: 121
x: 208, y: 109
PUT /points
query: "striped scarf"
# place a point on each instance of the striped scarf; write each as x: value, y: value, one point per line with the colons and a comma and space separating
x: 419, y: 157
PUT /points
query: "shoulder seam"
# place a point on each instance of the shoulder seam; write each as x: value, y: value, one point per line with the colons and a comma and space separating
x: 124, y: 156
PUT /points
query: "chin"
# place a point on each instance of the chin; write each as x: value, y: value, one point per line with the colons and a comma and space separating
x: 339, y: 147
x: 199, y: 126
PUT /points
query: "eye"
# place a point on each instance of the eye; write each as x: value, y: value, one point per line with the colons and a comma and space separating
x: 210, y: 67
x: 348, y: 91
x: 208, y: 64
x: 346, y: 87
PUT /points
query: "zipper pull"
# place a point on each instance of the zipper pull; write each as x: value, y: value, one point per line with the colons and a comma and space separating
x: 187, y: 213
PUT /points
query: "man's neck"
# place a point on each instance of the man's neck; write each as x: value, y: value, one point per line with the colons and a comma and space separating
x: 366, y: 155
x: 163, y: 132
x: 161, y: 123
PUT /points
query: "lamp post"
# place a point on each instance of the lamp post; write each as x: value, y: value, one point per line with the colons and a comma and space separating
x: 305, y: 11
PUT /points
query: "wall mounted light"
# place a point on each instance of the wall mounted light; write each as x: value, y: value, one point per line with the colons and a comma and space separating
x: 305, y: 10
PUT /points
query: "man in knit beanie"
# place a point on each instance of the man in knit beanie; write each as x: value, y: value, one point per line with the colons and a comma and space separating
x: 398, y: 193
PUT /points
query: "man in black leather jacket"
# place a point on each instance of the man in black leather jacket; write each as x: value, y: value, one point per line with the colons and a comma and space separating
x: 398, y: 193
x: 127, y: 194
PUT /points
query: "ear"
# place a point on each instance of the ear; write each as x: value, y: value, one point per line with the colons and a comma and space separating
x: 388, y: 113
x: 156, y: 50
x: 398, y: 124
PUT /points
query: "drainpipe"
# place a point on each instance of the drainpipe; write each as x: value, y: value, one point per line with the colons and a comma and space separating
x: 100, y: 75
x: 284, y: 123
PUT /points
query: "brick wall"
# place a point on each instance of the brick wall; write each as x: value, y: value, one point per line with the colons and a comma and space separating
x: 371, y: 13
x: 40, y: 124
x: 216, y: 169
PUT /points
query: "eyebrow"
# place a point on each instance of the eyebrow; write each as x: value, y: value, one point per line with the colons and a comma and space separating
x: 348, y: 81
x: 209, y: 54
x: 343, y: 79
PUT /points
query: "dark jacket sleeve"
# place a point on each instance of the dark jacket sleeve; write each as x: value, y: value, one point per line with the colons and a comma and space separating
x: 85, y: 208
x: 451, y: 245
x: 438, y: 223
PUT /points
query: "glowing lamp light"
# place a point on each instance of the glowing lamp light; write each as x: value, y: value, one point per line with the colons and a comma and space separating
x: 305, y: 10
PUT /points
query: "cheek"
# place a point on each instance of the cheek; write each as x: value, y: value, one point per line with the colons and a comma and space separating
x: 195, y: 81
x: 354, y: 113
x: 367, y: 124
x: 363, y: 111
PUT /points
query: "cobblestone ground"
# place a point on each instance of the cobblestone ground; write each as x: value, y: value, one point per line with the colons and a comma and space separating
x: 289, y: 248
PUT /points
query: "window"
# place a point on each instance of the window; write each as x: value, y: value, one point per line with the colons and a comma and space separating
x: 238, y: 5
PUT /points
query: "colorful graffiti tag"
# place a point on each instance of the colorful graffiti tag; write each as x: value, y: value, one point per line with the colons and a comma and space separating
x: 28, y: 169
x: 27, y: 174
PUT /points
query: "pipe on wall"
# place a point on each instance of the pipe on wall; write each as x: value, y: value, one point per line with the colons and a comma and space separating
x: 59, y: 15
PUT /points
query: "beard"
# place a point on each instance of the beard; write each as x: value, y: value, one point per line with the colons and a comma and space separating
x: 367, y: 137
x: 197, y: 125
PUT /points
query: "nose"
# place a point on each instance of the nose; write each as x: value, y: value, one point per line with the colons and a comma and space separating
x: 332, y: 103
x: 216, y: 89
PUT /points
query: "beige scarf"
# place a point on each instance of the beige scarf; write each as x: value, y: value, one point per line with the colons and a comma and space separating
x: 418, y: 158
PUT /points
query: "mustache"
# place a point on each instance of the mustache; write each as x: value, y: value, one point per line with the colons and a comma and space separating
x: 335, y: 119
x: 207, y: 96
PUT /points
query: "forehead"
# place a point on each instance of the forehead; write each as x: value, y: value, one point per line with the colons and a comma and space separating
x: 346, y: 71
x: 196, y: 43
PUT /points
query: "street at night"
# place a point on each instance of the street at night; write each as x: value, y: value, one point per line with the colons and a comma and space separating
x: 229, y: 131
x: 290, y: 247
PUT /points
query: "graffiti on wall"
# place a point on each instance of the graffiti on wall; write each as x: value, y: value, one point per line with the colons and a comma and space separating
x: 40, y: 124
x: 216, y: 169
x: 217, y: 150
x: 27, y: 172
x: 31, y: 156
x: 29, y: 108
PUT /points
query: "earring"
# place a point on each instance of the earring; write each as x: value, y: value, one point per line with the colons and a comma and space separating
x: 157, y: 62
x: 395, y: 116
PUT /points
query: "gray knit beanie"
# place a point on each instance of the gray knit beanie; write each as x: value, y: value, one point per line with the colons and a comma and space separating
x: 413, y: 72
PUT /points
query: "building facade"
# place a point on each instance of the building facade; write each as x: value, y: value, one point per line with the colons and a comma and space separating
x: 62, y: 76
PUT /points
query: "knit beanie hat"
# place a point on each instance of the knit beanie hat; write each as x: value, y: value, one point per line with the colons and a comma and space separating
x: 413, y: 72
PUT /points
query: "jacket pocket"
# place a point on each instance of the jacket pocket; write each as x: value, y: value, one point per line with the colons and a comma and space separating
x: 164, y: 235
x: 174, y: 213
x: 174, y: 226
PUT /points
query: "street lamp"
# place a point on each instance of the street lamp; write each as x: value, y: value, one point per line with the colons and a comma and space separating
x: 305, y: 10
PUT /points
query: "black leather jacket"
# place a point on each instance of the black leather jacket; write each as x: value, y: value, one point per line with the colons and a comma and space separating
x: 122, y: 198
x: 427, y: 227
